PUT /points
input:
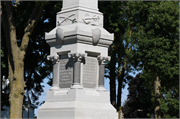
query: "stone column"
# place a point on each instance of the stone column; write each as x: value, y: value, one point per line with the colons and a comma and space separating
x: 55, y: 85
x: 101, y: 61
x: 77, y: 58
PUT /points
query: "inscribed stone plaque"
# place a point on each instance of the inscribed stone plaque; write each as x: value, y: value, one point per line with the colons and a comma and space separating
x: 66, y: 72
x: 90, y: 72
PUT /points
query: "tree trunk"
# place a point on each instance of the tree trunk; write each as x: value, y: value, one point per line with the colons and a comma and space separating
x: 119, y: 97
x: 119, y: 93
x: 17, y: 54
x: 157, y: 85
x: 113, y: 79
x: 17, y: 85
x: 120, y: 81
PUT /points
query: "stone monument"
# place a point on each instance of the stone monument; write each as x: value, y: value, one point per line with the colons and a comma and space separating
x: 78, y: 49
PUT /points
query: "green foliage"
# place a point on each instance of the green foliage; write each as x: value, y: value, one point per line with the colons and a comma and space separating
x: 170, y: 103
x: 40, y: 68
x: 158, y: 50
x: 158, y: 44
x: 139, y: 98
x: 122, y: 18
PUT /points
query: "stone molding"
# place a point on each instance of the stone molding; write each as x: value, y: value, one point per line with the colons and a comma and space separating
x: 78, y: 38
x: 54, y: 59
x: 54, y: 87
x: 83, y: 104
x: 80, y: 9
x: 77, y: 57
x: 51, y: 42
x: 87, y: 39
x: 102, y: 59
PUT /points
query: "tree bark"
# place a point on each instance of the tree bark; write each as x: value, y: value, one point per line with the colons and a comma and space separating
x: 157, y: 86
x: 113, y: 79
x: 15, y: 65
x: 120, y: 81
x: 16, y: 55
x: 121, y: 74
x: 16, y: 88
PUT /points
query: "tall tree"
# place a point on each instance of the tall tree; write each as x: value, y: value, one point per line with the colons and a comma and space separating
x: 127, y: 37
x: 140, y: 102
x: 139, y: 99
x: 158, y: 47
x: 121, y: 18
x: 107, y: 9
x: 19, y: 34
x: 17, y: 54
x: 39, y: 49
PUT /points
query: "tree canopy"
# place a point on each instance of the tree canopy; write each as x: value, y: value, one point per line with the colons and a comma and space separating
x: 145, y: 38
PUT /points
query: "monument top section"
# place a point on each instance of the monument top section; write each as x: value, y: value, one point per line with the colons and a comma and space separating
x: 79, y: 28
x: 79, y: 21
x: 90, y: 4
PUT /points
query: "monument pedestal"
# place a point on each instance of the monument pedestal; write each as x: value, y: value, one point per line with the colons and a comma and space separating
x: 83, y: 103
x: 79, y: 51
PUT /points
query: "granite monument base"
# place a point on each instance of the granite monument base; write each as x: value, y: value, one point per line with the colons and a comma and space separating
x: 83, y: 103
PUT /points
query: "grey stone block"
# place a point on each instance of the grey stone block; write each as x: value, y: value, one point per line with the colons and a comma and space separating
x: 78, y: 48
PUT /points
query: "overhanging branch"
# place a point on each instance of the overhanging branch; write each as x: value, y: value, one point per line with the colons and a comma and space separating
x: 33, y: 20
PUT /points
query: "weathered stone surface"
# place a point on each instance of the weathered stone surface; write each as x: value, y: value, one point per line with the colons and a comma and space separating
x: 77, y: 104
x: 90, y: 72
x: 66, y: 72
x: 81, y: 44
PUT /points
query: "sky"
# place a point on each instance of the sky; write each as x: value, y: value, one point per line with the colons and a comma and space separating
x: 106, y: 85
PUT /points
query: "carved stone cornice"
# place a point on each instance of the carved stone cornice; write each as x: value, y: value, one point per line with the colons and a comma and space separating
x: 79, y: 38
x: 79, y: 33
x: 77, y: 57
x: 102, y: 59
x: 54, y: 59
